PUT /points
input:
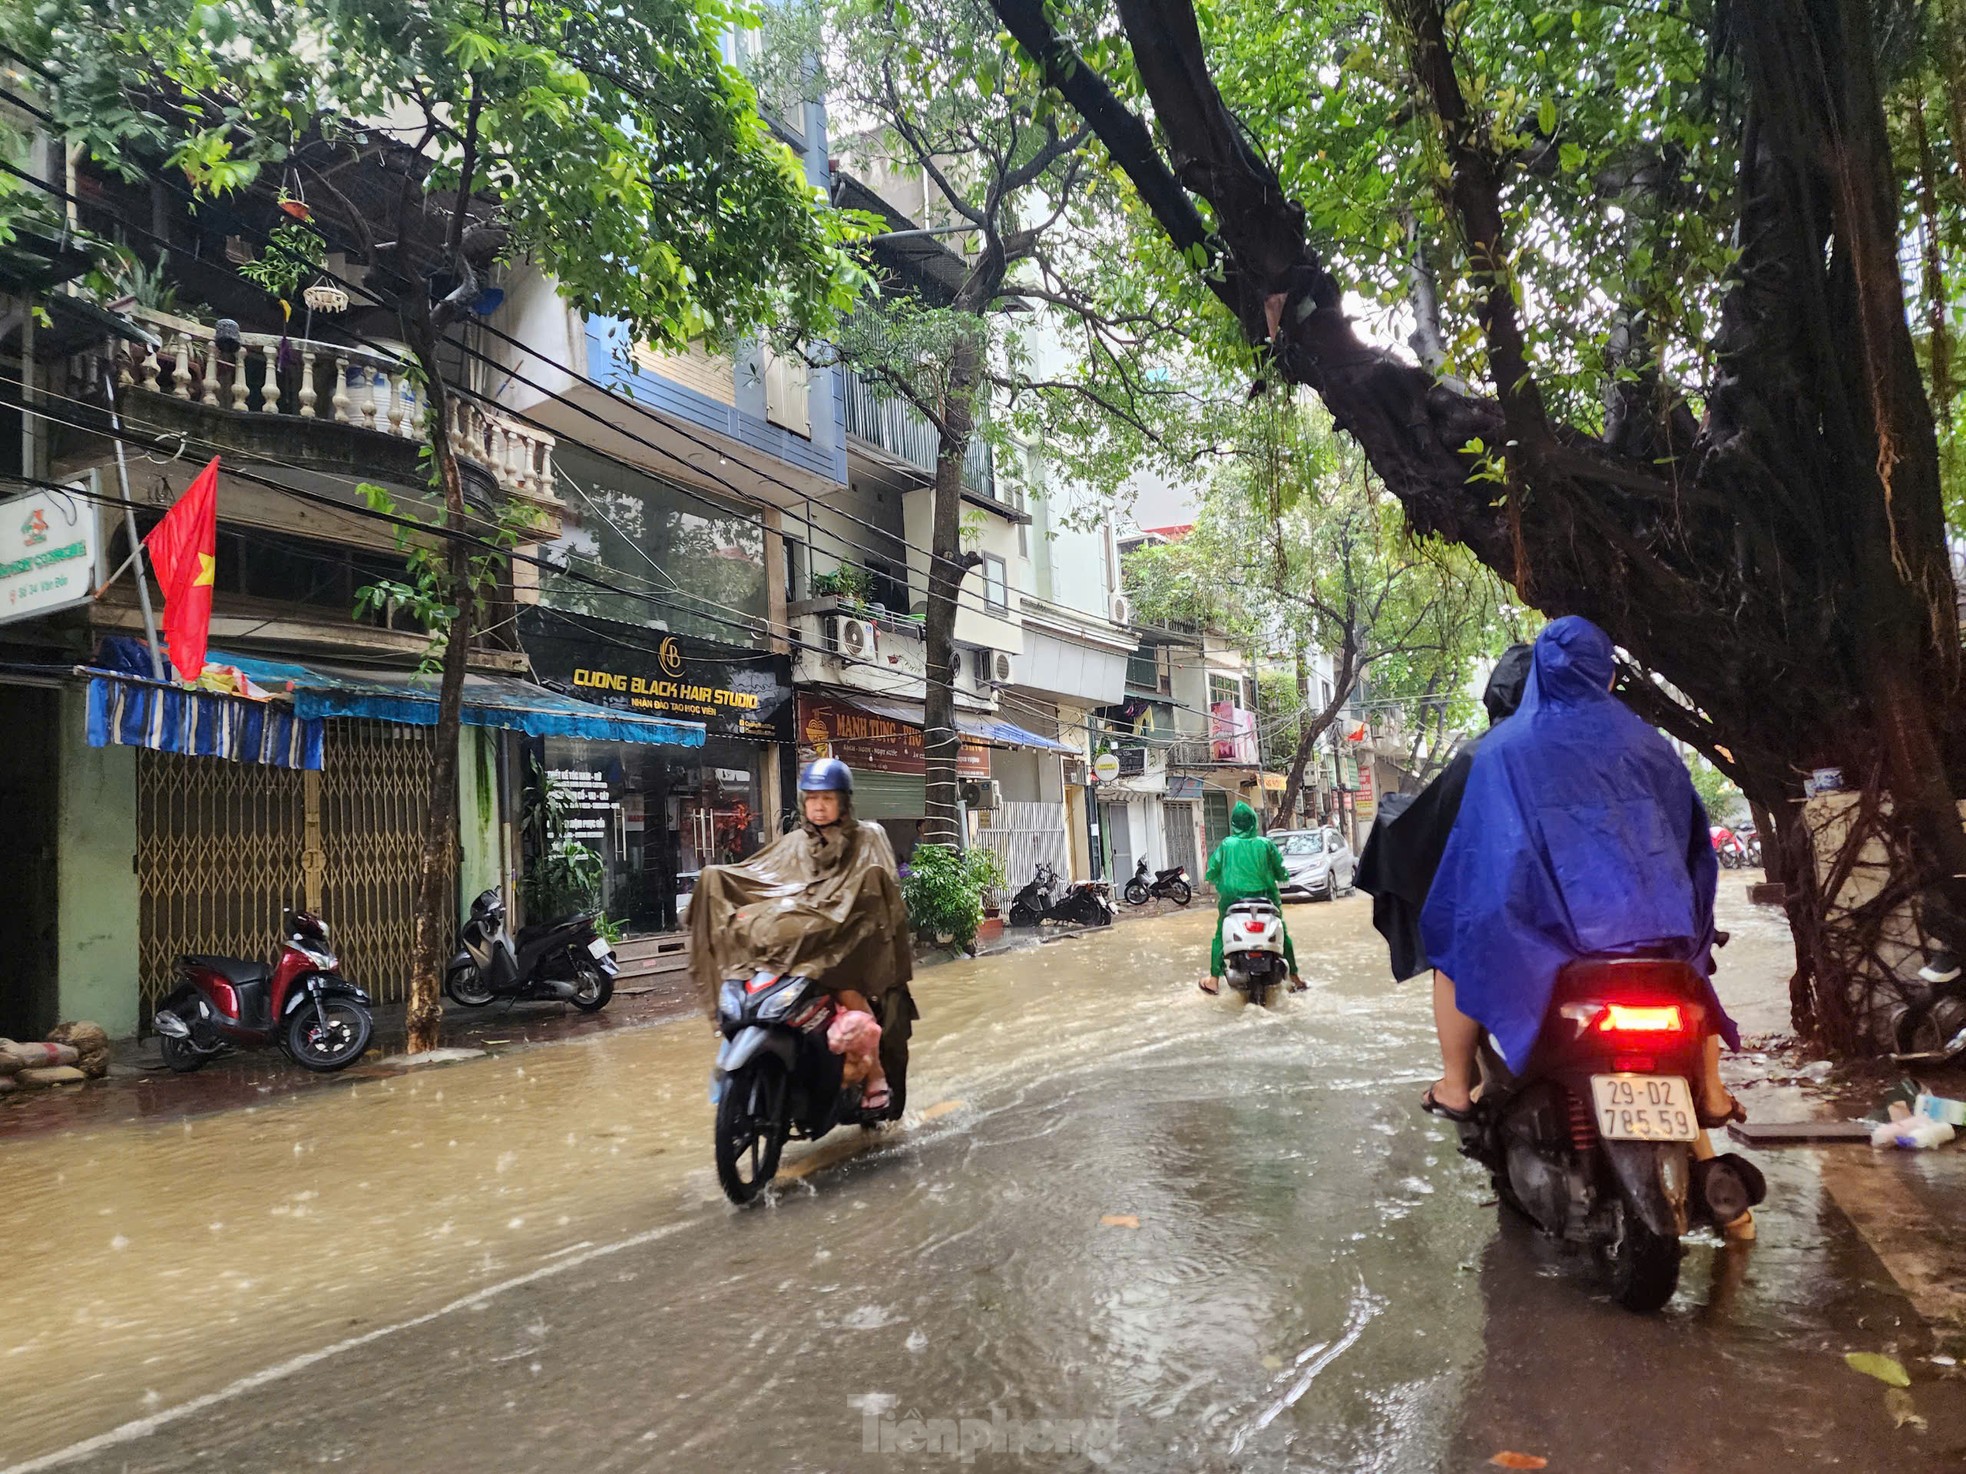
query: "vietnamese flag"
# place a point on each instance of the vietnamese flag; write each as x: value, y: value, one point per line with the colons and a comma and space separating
x: 184, y: 551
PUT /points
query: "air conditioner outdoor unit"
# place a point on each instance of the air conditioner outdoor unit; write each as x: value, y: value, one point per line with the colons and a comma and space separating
x: 982, y: 793
x: 966, y: 666
x: 853, y: 638
x: 1075, y: 771
x: 1122, y: 609
x: 1002, y: 669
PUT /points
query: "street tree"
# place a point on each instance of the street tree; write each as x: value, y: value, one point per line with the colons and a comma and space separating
x: 1664, y: 368
x: 1296, y: 546
x: 610, y: 146
x: 1015, y: 320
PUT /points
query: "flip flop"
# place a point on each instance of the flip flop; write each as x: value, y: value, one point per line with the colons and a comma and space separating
x: 1214, y: 992
x: 876, y: 1099
x: 1446, y: 1112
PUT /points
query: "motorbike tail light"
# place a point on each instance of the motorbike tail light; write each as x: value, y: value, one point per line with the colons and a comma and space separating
x: 1626, y: 1018
x: 226, y: 997
x: 1254, y: 928
x: 759, y: 983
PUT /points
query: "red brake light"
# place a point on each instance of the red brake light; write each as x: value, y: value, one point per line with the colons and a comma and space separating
x: 226, y: 997
x: 759, y: 983
x: 1254, y: 928
x: 1625, y: 1018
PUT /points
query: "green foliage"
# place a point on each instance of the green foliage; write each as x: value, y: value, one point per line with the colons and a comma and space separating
x: 1723, y: 799
x: 623, y: 155
x: 432, y: 594
x: 944, y: 889
x: 293, y: 254
x: 849, y: 581
x: 564, y: 875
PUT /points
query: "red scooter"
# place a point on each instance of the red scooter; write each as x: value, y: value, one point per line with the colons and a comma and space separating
x: 302, y: 1003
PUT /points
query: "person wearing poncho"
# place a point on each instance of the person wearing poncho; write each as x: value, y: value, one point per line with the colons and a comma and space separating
x: 1245, y: 867
x: 1579, y: 834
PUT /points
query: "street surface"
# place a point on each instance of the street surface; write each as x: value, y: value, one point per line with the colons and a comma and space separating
x: 1149, y: 1229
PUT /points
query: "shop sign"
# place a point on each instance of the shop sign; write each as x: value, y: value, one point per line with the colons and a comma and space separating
x: 48, y: 547
x: 860, y: 739
x: 593, y: 809
x: 1368, y: 802
x: 1106, y: 767
x: 732, y: 692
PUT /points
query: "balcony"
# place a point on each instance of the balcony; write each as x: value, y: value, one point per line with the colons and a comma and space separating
x: 897, y: 428
x: 268, y: 382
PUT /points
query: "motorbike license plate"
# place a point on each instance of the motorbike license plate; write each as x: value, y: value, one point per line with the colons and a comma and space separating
x: 1644, y: 1108
x: 599, y: 947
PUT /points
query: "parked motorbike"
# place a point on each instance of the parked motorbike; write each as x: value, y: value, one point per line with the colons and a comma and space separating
x: 1252, y: 949
x: 1169, y: 885
x: 1088, y: 903
x: 1593, y: 1142
x: 567, y: 960
x: 777, y: 1080
x: 302, y: 1003
x: 1750, y: 848
x: 1933, y: 1029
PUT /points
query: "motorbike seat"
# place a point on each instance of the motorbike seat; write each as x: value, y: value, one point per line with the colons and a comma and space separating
x: 534, y: 930
x: 235, y: 970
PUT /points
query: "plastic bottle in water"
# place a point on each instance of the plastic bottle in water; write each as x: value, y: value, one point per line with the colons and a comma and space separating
x: 1916, y: 1133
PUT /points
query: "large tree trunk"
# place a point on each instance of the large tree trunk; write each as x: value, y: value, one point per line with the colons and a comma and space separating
x: 437, y: 861
x: 1785, y: 571
x: 947, y: 566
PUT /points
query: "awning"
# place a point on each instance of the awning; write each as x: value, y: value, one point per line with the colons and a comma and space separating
x: 974, y: 725
x: 489, y: 701
x: 129, y: 711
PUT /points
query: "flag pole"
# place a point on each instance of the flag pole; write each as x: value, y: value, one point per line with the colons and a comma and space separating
x: 130, y: 521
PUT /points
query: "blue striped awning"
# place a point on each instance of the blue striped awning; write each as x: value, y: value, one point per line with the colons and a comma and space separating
x: 489, y: 701
x: 129, y: 711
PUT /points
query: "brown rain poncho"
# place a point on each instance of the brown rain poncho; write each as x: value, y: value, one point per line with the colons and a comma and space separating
x: 823, y: 903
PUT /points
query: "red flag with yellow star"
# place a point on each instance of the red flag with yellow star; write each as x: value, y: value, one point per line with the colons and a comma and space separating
x: 184, y: 551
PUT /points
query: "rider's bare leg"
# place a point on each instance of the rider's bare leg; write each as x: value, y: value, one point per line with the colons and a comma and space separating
x: 849, y: 998
x: 1459, y: 1038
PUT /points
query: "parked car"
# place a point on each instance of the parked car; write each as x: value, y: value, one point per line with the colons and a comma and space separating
x: 1320, y: 863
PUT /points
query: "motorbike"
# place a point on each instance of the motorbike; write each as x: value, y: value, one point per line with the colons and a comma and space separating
x: 1088, y: 903
x: 1593, y: 1141
x: 1933, y: 1029
x: 776, y: 1079
x: 1750, y: 849
x: 1252, y: 949
x: 301, y: 1003
x: 1170, y: 885
x: 567, y: 960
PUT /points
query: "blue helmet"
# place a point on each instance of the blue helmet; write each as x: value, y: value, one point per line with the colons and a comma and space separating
x: 827, y: 775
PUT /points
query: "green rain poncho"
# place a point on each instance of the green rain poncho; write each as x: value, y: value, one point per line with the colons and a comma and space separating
x: 1245, y: 867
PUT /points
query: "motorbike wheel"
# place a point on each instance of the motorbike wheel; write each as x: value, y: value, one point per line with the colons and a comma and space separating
x: 1135, y: 893
x: 1644, y: 1266
x: 592, y: 989
x: 179, y: 1056
x: 1930, y: 1027
x: 466, y: 986
x: 745, y: 1141
x: 1021, y: 915
x: 333, y: 1047
x: 1180, y: 892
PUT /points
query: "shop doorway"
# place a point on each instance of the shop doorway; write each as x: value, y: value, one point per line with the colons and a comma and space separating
x: 28, y: 788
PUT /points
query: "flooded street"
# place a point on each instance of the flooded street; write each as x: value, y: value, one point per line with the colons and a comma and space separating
x: 1125, y: 1226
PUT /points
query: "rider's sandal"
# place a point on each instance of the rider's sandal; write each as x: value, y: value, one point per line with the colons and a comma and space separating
x: 1741, y: 1230
x: 1446, y: 1112
x: 1298, y: 985
x: 1209, y: 986
x: 1713, y: 1121
x: 876, y: 1098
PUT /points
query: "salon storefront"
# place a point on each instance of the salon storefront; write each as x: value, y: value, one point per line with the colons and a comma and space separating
x: 881, y: 740
x: 658, y: 815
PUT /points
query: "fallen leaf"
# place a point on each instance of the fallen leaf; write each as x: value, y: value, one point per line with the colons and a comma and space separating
x: 1885, y: 1368
x: 1903, y: 1411
x: 1120, y: 1220
x: 1508, y: 1459
x: 941, y: 1108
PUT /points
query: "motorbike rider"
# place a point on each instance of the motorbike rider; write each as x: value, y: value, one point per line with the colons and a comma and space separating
x: 1579, y: 834
x: 1246, y: 867
x: 823, y: 899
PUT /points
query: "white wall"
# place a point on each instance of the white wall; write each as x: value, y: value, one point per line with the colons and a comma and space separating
x: 974, y: 626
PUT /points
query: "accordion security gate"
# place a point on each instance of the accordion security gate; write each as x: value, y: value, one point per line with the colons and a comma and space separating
x: 223, y: 847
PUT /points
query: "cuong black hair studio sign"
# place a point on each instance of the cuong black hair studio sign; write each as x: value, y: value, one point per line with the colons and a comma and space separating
x: 733, y: 692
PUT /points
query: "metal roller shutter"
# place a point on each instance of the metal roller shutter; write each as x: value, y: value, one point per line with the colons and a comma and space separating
x: 889, y: 795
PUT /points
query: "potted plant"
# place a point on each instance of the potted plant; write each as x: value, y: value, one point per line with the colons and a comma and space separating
x: 944, y: 891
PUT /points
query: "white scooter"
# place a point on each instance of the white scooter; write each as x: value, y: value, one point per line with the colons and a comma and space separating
x: 1252, y: 949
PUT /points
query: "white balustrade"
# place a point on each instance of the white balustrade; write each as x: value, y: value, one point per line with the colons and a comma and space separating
x: 365, y: 389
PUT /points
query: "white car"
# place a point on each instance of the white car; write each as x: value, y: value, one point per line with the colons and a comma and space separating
x: 1320, y: 863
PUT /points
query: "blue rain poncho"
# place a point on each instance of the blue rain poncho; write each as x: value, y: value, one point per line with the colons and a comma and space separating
x: 1579, y: 834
